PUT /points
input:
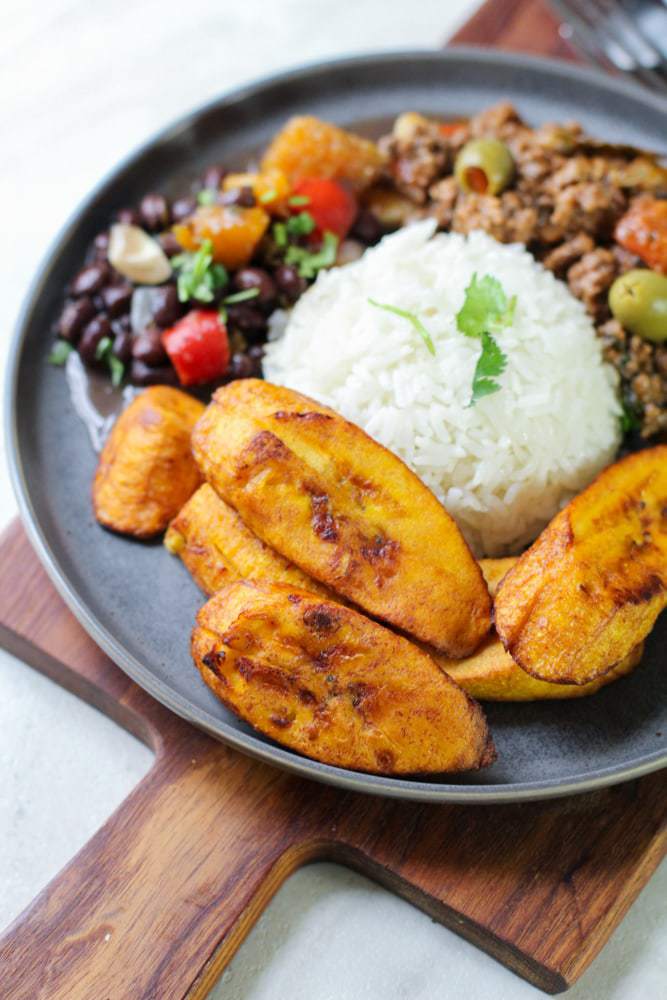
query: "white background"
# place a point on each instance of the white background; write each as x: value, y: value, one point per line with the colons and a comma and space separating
x: 82, y: 83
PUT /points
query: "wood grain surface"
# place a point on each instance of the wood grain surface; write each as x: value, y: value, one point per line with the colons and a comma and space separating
x: 156, y: 903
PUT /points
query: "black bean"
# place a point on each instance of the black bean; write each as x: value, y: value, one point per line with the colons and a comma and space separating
x: 122, y: 344
x: 246, y: 318
x: 129, y: 216
x: 101, y: 244
x: 257, y: 277
x: 147, y: 347
x: 290, y: 282
x: 143, y: 374
x: 182, y: 208
x: 155, y: 212
x: 241, y: 366
x: 74, y: 317
x: 92, y: 334
x: 367, y: 227
x: 116, y: 298
x: 214, y: 176
x: 166, y: 307
x: 169, y: 244
x: 244, y: 197
x: 91, y: 279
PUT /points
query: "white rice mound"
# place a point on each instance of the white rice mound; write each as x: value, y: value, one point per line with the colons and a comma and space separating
x: 502, y: 467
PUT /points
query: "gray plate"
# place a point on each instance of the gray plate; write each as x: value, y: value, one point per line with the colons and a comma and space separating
x: 136, y: 601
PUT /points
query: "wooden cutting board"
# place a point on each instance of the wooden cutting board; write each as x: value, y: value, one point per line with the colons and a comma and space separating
x: 155, y: 905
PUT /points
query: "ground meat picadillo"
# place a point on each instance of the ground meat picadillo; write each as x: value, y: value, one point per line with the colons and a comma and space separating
x: 567, y: 195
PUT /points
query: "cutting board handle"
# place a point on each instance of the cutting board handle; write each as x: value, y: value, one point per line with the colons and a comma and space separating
x: 131, y: 913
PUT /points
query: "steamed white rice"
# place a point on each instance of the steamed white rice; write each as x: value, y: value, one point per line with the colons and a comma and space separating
x: 503, y: 467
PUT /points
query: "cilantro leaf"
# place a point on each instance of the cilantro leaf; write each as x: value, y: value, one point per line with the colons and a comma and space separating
x: 413, y: 319
x: 280, y: 234
x: 60, y: 352
x: 242, y: 296
x: 199, y: 277
x: 630, y: 418
x: 491, y: 362
x: 298, y: 199
x: 268, y: 196
x: 485, y: 307
x: 104, y: 352
x: 300, y: 225
x: 309, y: 262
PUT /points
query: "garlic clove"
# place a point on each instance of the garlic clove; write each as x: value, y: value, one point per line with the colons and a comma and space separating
x: 137, y: 256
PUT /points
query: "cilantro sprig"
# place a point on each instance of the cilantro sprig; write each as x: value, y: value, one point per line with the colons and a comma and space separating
x: 104, y: 352
x: 309, y: 262
x: 486, y: 308
x: 243, y: 296
x: 412, y: 318
x: 60, y: 352
x: 199, y: 277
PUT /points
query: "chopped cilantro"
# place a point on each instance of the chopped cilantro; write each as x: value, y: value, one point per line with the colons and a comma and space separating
x: 298, y: 199
x: 243, y: 296
x: 412, y: 318
x: 280, y: 234
x: 230, y: 300
x: 199, y: 277
x: 300, y: 225
x: 206, y: 197
x: 60, y: 352
x: 104, y: 352
x: 630, y: 418
x: 486, y: 308
x: 268, y: 196
x: 490, y: 363
x: 308, y: 262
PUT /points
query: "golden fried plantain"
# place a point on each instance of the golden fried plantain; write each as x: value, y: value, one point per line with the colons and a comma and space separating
x: 591, y: 587
x: 146, y: 470
x: 324, y: 680
x: 217, y: 548
x: 326, y: 496
x: 307, y: 147
x: 491, y: 674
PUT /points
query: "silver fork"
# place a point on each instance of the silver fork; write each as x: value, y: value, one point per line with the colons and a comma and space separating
x: 629, y: 36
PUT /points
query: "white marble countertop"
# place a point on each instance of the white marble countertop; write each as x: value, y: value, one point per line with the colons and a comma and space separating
x: 82, y: 84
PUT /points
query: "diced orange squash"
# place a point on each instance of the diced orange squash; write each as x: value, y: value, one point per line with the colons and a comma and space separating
x: 308, y: 147
x: 234, y: 232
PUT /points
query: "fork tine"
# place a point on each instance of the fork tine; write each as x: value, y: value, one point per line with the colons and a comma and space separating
x: 619, y: 28
x: 581, y: 35
x: 642, y: 48
x: 603, y: 45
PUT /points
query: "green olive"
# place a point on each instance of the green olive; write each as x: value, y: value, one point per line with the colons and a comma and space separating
x: 638, y: 300
x: 484, y: 166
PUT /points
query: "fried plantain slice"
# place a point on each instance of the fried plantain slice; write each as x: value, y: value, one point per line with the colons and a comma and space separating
x: 146, y: 471
x: 327, y: 497
x: 324, y: 680
x: 217, y: 548
x: 591, y: 587
x: 491, y: 674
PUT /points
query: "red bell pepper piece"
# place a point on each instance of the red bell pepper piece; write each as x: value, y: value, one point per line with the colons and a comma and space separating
x: 198, y: 347
x: 331, y: 205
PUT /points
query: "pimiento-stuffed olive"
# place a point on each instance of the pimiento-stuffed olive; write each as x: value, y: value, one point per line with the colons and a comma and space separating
x: 638, y: 300
x: 484, y: 166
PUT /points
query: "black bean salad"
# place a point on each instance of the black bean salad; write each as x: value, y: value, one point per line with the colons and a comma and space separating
x: 180, y: 292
